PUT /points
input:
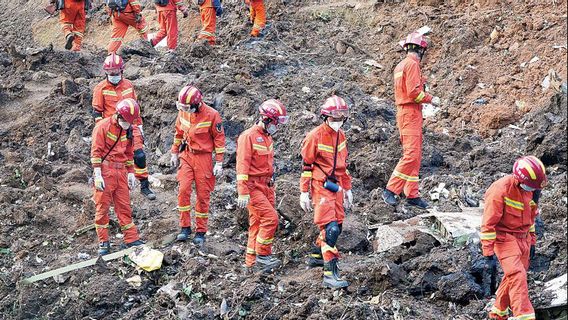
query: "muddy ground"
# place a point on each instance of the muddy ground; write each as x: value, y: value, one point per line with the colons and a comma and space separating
x: 495, y: 108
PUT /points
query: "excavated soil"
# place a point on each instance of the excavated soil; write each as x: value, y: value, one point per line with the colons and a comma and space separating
x: 488, y: 62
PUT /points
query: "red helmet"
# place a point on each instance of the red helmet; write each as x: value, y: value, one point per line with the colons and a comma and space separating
x: 189, y: 95
x: 128, y: 109
x: 416, y: 39
x: 274, y: 110
x: 113, y: 62
x: 530, y: 171
x: 335, y: 107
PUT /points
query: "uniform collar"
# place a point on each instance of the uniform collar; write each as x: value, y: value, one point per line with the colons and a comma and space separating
x: 413, y: 57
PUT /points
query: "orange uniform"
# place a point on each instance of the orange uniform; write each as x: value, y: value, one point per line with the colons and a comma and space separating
x: 73, y: 19
x: 507, y: 231
x: 208, y: 21
x: 257, y: 17
x: 409, y: 94
x: 167, y: 19
x: 203, y: 134
x: 105, y: 97
x: 255, y: 160
x: 318, y: 149
x: 121, y: 21
x: 114, y: 168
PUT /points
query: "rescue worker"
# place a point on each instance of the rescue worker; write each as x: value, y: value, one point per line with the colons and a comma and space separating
x: 121, y: 20
x: 257, y: 16
x: 255, y: 186
x: 325, y: 176
x: 410, y: 94
x: 209, y: 10
x: 106, y: 95
x: 508, y: 232
x: 73, y: 19
x: 167, y: 19
x: 113, y: 171
x: 198, y: 132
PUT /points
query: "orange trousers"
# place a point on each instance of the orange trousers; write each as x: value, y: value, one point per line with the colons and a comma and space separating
x: 138, y: 141
x: 405, y: 176
x: 208, y: 22
x: 257, y: 17
x: 513, y: 292
x: 120, y: 24
x: 328, y: 207
x: 73, y: 20
x: 116, y: 191
x: 263, y: 219
x: 196, y: 167
x: 168, y: 27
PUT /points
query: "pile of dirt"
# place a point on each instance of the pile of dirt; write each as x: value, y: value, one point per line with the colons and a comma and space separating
x: 495, y: 109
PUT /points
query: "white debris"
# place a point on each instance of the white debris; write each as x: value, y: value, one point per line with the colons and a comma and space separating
x: 135, y: 281
x: 373, y: 63
x: 558, y: 288
x: 306, y: 90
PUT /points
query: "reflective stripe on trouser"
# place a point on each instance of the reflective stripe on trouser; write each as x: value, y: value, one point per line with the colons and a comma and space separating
x: 328, y: 207
x: 513, y: 292
x: 263, y: 221
x: 257, y: 16
x: 168, y: 27
x: 405, y: 175
x: 198, y: 168
x: 138, y: 141
x: 73, y: 20
x: 116, y: 191
x: 208, y: 21
x: 120, y: 24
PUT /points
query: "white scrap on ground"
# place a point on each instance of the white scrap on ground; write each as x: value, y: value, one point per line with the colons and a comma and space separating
x: 558, y: 288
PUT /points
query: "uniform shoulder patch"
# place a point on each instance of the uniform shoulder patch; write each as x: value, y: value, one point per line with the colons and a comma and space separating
x: 259, y: 139
x: 219, y: 127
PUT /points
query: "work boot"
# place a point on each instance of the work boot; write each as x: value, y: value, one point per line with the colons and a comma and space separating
x: 135, y: 243
x: 390, y: 198
x: 418, y: 202
x: 315, y: 259
x: 331, y: 277
x: 145, y: 189
x: 199, y: 239
x: 104, y: 248
x: 184, y: 234
x: 267, y: 263
x: 69, y: 41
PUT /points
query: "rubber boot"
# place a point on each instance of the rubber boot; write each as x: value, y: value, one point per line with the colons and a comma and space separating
x: 104, y: 248
x: 199, y: 239
x: 145, y: 189
x: 184, y: 234
x: 267, y: 263
x: 69, y: 41
x: 418, y: 202
x: 135, y: 243
x: 315, y: 259
x: 331, y: 277
x: 390, y: 198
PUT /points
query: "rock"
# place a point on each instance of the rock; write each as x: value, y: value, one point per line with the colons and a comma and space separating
x: 69, y: 87
x: 200, y: 49
x: 459, y: 287
x: 43, y: 75
x: 234, y: 89
x: 354, y: 235
x: 340, y: 47
x: 138, y: 47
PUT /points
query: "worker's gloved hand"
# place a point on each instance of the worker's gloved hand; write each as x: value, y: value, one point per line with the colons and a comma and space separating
x: 138, y: 17
x: 174, y: 160
x: 347, y: 199
x: 218, y: 11
x: 131, y: 180
x: 99, y: 181
x: 243, y: 201
x: 436, y: 101
x: 218, y: 169
x: 533, y: 252
x: 305, y: 202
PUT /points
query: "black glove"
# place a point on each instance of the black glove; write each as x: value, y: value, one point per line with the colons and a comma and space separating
x: 533, y: 252
x: 138, y: 17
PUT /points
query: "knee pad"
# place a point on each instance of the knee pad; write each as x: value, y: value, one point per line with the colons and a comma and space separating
x: 140, y: 158
x: 332, y: 231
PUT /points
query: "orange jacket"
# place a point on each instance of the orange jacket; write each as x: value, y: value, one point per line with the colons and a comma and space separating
x: 317, y: 153
x: 409, y: 84
x: 255, y: 157
x: 202, y: 131
x: 105, y: 134
x: 508, y: 209
x: 172, y: 5
x: 106, y: 96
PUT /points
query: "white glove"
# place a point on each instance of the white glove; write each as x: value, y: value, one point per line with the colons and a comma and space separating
x: 436, y: 101
x: 347, y: 199
x: 174, y: 160
x: 305, y: 201
x: 218, y: 169
x: 243, y: 201
x: 141, y: 130
x: 99, y: 181
x: 131, y: 180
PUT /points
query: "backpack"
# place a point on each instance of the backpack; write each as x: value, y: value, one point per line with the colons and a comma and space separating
x: 161, y: 3
x: 117, y: 5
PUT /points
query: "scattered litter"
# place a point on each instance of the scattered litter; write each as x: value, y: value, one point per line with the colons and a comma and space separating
x: 5, y: 251
x: 429, y: 110
x: 439, y: 191
x: 135, y: 281
x: 534, y: 59
x: 306, y: 90
x: 373, y: 63
x: 169, y: 290
x: 146, y: 258
x: 557, y: 287
x: 552, y: 80
x: 480, y: 101
x: 60, y: 279
x: 224, y: 308
x: 83, y: 256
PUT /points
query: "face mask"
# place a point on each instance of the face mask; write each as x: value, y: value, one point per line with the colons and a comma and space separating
x: 335, y: 125
x: 527, y: 188
x: 271, y: 129
x: 114, y: 79
x: 124, y: 124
